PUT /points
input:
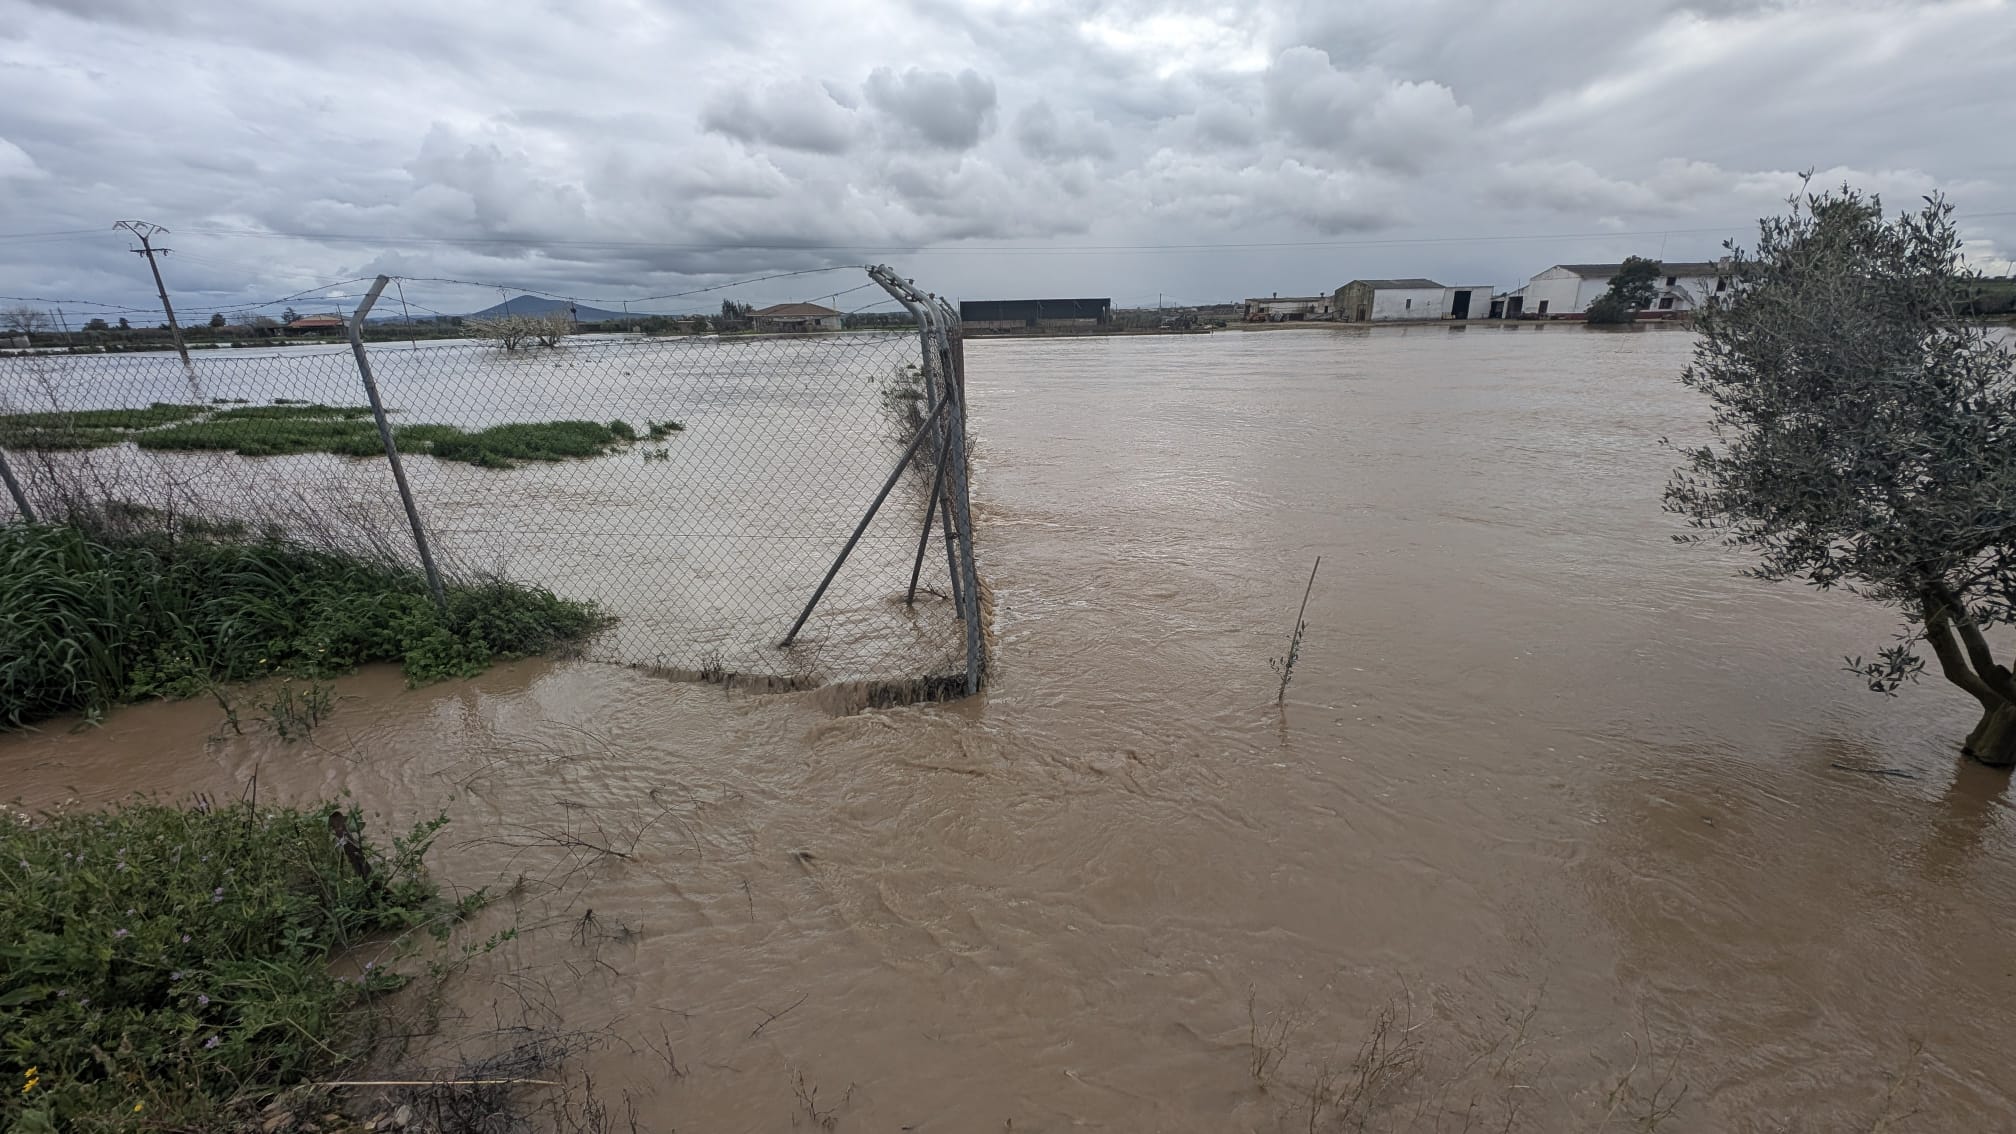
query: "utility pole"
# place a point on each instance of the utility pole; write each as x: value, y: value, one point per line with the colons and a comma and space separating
x: 146, y: 233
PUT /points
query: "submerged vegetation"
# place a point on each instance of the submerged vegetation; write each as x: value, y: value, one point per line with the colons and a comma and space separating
x: 289, y: 426
x: 164, y: 964
x: 90, y: 621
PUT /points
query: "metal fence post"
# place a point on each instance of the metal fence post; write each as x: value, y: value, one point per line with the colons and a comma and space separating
x: 954, y: 346
x: 944, y: 350
x: 392, y: 450
x: 14, y: 488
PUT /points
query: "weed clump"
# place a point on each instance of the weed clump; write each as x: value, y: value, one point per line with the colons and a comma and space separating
x: 87, y: 622
x: 163, y: 961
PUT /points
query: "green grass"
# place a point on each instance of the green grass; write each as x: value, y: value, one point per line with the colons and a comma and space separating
x: 159, y: 413
x: 268, y: 437
x: 87, y: 429
x: 290, y: 411
x: 289, y: 426
x: 502, y: 446
x: 89, y: 622
x: 162, y: 964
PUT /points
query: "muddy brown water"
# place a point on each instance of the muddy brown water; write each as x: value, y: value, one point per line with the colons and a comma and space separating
x: 1557, y: 793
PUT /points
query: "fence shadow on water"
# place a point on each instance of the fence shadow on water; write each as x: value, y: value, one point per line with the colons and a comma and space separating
x: 698, y: 488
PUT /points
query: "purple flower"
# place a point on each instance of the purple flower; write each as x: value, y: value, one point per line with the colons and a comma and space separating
x: 217, y: 895
x: 185, y: 939
x: 213, y: 1041
x: 121, y: 933
x: 203, y: 1000
x: 130, y: 913
x: 176, y: 975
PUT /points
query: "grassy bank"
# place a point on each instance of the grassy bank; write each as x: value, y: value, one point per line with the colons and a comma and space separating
x: 87, y: 622
x: 167, y: 969
x: 296, y: 427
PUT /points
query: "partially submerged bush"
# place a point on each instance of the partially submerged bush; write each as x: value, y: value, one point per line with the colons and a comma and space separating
x: 88, y: 622
x: 159, y: 961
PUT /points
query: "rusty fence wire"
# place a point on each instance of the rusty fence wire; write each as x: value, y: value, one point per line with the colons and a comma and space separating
x: 700, y: 488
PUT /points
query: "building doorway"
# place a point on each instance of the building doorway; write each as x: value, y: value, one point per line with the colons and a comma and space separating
x: 1459, y: 306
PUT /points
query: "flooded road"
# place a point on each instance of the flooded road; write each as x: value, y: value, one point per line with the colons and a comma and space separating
x: 1553, y: 832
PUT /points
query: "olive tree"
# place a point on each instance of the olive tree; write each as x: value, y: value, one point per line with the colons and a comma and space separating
x: 1864, y: 437
x: 1632, y: 290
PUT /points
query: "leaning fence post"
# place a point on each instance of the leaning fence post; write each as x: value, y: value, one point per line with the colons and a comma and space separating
x: 392, y: 450
x: 14, y: 488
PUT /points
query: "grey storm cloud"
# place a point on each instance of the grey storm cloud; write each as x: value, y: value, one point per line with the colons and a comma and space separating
x: 798, y: 115
x: 1197, y: 148
x: 952, y: 111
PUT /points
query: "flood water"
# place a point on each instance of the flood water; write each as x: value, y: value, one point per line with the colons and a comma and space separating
x: 1566, y: 799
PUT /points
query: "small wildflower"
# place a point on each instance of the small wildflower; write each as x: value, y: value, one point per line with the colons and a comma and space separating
x: 203, y: 1000
x: 217, y: 895
x: 138, y: 1107
x: 213, y: 1041
x: 123, y: 933
x: 130, y: 913
x: 185, y: 939
x: 176, y: 975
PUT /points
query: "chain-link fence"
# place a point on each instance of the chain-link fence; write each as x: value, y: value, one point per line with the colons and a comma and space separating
x: 699, y: 488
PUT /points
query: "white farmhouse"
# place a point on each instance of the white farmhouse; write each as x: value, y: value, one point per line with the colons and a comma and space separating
x: 1569, y: 289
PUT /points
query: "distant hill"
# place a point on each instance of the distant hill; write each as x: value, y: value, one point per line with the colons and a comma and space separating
x: 537, y: 305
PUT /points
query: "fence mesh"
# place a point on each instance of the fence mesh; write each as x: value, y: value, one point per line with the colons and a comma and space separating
x: 698, y: 488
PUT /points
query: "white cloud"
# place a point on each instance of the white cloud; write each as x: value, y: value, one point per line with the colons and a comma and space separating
x: 15, y: 163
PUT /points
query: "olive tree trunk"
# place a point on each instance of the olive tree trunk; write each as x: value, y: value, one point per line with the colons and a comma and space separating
x: 1967, y: 662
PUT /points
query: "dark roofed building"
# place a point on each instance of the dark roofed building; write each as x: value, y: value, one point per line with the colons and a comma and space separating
x: 315, y: 324
x: 1020, y: 314
x: 795, y: 318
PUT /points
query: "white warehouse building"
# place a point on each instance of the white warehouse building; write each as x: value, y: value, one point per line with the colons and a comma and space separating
x: 1394, y: 301
x: 1569, y: 289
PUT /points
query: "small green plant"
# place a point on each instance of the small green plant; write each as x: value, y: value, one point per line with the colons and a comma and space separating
x: 293, y: 713
x: 160, y: 960
x: 659, y: 430
x: 661, y: 453
x: 1286, y: 666
x: 623, y: 430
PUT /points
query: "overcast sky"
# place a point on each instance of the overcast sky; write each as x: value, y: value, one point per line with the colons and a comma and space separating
x: 613, y: 149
